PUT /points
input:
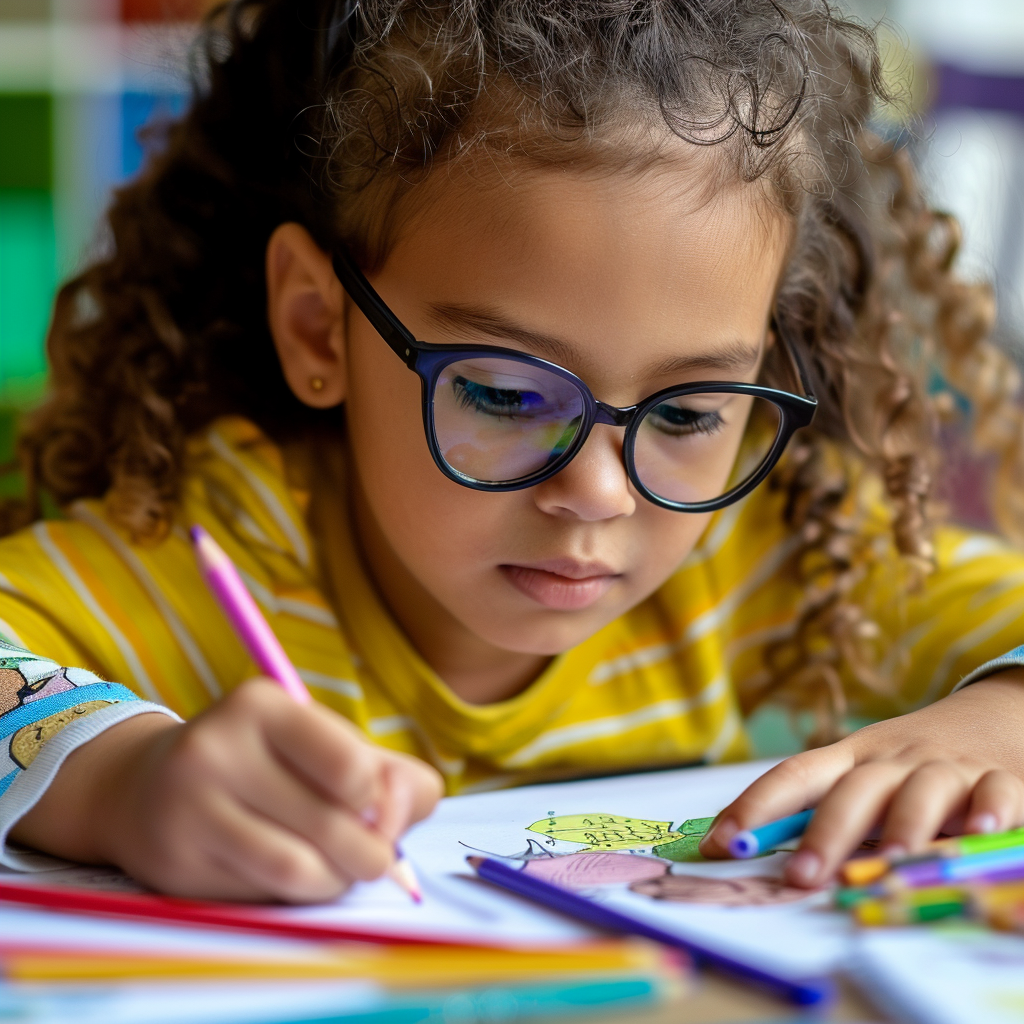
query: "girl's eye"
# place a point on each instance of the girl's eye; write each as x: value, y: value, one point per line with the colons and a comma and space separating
x: 678, y: 421
x: 495, y: 401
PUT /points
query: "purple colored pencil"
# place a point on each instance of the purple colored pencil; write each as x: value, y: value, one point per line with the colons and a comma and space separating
x: 806, y: 992
x: 996, y: 866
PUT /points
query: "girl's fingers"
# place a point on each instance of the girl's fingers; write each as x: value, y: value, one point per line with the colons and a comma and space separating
x: 277, y: 864
x: 798, y: 782
x: 928, y: 797
x: 395, y: 811
x: 997, y: 803
x: 319, y: 745
x: 411, y: 792
x: 354, y: 851
x: 842, y: 819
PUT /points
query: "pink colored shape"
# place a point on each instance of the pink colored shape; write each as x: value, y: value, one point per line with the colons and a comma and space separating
x: 58, y: 683
x: 582, y: 870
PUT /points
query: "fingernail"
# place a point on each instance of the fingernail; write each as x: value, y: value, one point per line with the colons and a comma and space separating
x: 804, y: 867
x: 721, y: 833
x: 984, y: 822
x: 369, y: 816
x: 893, y: 851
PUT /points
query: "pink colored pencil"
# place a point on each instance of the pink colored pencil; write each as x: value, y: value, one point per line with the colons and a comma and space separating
x: 234, y: 598
x: 265, y: 649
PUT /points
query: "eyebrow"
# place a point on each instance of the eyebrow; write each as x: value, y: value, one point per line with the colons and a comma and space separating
x: 476, y: 320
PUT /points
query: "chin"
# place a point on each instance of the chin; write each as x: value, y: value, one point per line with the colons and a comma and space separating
x: 547, y: 639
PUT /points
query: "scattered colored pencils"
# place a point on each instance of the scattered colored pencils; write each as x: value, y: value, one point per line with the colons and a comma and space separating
x: 979, y: 877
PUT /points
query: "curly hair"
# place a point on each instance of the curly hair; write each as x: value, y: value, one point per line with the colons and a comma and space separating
x: 331, y: 112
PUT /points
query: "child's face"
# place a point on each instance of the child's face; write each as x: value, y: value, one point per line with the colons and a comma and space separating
x: 628, y: 281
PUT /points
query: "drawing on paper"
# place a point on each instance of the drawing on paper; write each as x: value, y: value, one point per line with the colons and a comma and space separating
x: 584, y: 870
x: 613, y: 849
x: 740, y: 891
x: 604, y: 832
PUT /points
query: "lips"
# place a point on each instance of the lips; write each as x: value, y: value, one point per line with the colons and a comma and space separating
x: 562, y: 584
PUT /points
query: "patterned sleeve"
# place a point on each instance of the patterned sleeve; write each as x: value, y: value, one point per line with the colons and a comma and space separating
x: 1012, y: 659
x: 46, y: 712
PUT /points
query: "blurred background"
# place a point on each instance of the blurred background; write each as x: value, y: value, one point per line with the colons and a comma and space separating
x: 78, y: 78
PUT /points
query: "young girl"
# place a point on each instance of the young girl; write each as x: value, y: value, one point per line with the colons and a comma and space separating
x: 562, y: 378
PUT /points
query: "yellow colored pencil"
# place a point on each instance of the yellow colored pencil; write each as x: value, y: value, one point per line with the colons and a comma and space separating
x: 393, y: 966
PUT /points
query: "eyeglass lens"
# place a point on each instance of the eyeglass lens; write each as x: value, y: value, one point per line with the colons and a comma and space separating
x: 498, y: 420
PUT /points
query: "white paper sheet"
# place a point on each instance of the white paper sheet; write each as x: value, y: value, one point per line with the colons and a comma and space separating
x: 797, y: 938
x: 943, y: 974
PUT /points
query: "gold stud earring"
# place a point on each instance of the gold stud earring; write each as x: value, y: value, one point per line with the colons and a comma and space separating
x: 316, y: 383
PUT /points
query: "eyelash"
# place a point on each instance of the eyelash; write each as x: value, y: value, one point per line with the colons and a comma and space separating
x: 471, y: 395
x: 704, y: 423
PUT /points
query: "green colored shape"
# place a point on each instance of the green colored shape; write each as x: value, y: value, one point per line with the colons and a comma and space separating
x: 604, y: 831
x: 26, y: 141
x: 28, y: 277
x: 685, y: 848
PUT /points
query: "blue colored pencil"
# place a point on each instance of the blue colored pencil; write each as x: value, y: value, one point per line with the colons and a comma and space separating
x: 487, y: 1005
x: 751, y: 842
x: 809, y: 992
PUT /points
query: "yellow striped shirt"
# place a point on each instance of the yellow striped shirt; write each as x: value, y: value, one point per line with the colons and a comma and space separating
x: 660, y: 685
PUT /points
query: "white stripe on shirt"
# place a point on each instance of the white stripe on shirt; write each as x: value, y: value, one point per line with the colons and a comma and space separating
x: 346, y: 687
x: 271, y: 502
x: 704, y: 623
x: 613, y: 725
x: 193, y: 655
x: 85, y: 595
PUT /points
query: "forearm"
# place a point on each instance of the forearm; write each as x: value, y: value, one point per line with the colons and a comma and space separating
x: 77, y: 817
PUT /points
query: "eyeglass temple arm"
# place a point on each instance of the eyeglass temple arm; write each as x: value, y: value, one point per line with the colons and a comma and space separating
x: 373, y: 307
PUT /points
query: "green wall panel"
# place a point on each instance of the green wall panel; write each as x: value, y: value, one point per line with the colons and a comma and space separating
x: 27, y: 280
x: 26, y: 141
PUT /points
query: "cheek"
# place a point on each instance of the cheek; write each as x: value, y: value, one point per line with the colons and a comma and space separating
x: 382, y: 410
x: 660, y: 540
x: 421, y: 513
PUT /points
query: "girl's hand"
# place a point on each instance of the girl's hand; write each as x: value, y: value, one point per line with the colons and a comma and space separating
x: 257, y: 798
x: 959, y: 762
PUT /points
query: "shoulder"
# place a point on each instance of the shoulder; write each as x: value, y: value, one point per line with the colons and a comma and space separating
x: 82, y: 591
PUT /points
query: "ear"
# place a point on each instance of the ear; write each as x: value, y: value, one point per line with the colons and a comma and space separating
x: 306, y: 313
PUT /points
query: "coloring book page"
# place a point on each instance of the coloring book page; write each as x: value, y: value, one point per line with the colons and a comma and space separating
x: 628, y: 841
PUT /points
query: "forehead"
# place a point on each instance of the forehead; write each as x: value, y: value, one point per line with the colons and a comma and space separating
x: 651, y: 263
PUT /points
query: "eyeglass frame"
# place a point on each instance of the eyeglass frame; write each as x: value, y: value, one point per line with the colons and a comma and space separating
x: 428, y: 360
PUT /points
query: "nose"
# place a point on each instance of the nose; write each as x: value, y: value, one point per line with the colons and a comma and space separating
x: 594, y: 486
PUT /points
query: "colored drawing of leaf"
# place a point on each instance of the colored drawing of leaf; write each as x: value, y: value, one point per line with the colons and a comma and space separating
x: 682, y: 850
x: 605, y: 831
x: 695, y: 826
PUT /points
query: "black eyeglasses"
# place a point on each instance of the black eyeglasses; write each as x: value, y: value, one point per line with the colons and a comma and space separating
x: 501, y: 420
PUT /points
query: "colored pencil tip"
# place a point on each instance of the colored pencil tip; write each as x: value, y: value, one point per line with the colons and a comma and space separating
x: 744, y: 845
x: 197, y: 533
x: 404, y: 875
x: 475, y: 862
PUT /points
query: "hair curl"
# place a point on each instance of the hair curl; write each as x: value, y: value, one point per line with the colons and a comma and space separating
x: 331, y: 112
